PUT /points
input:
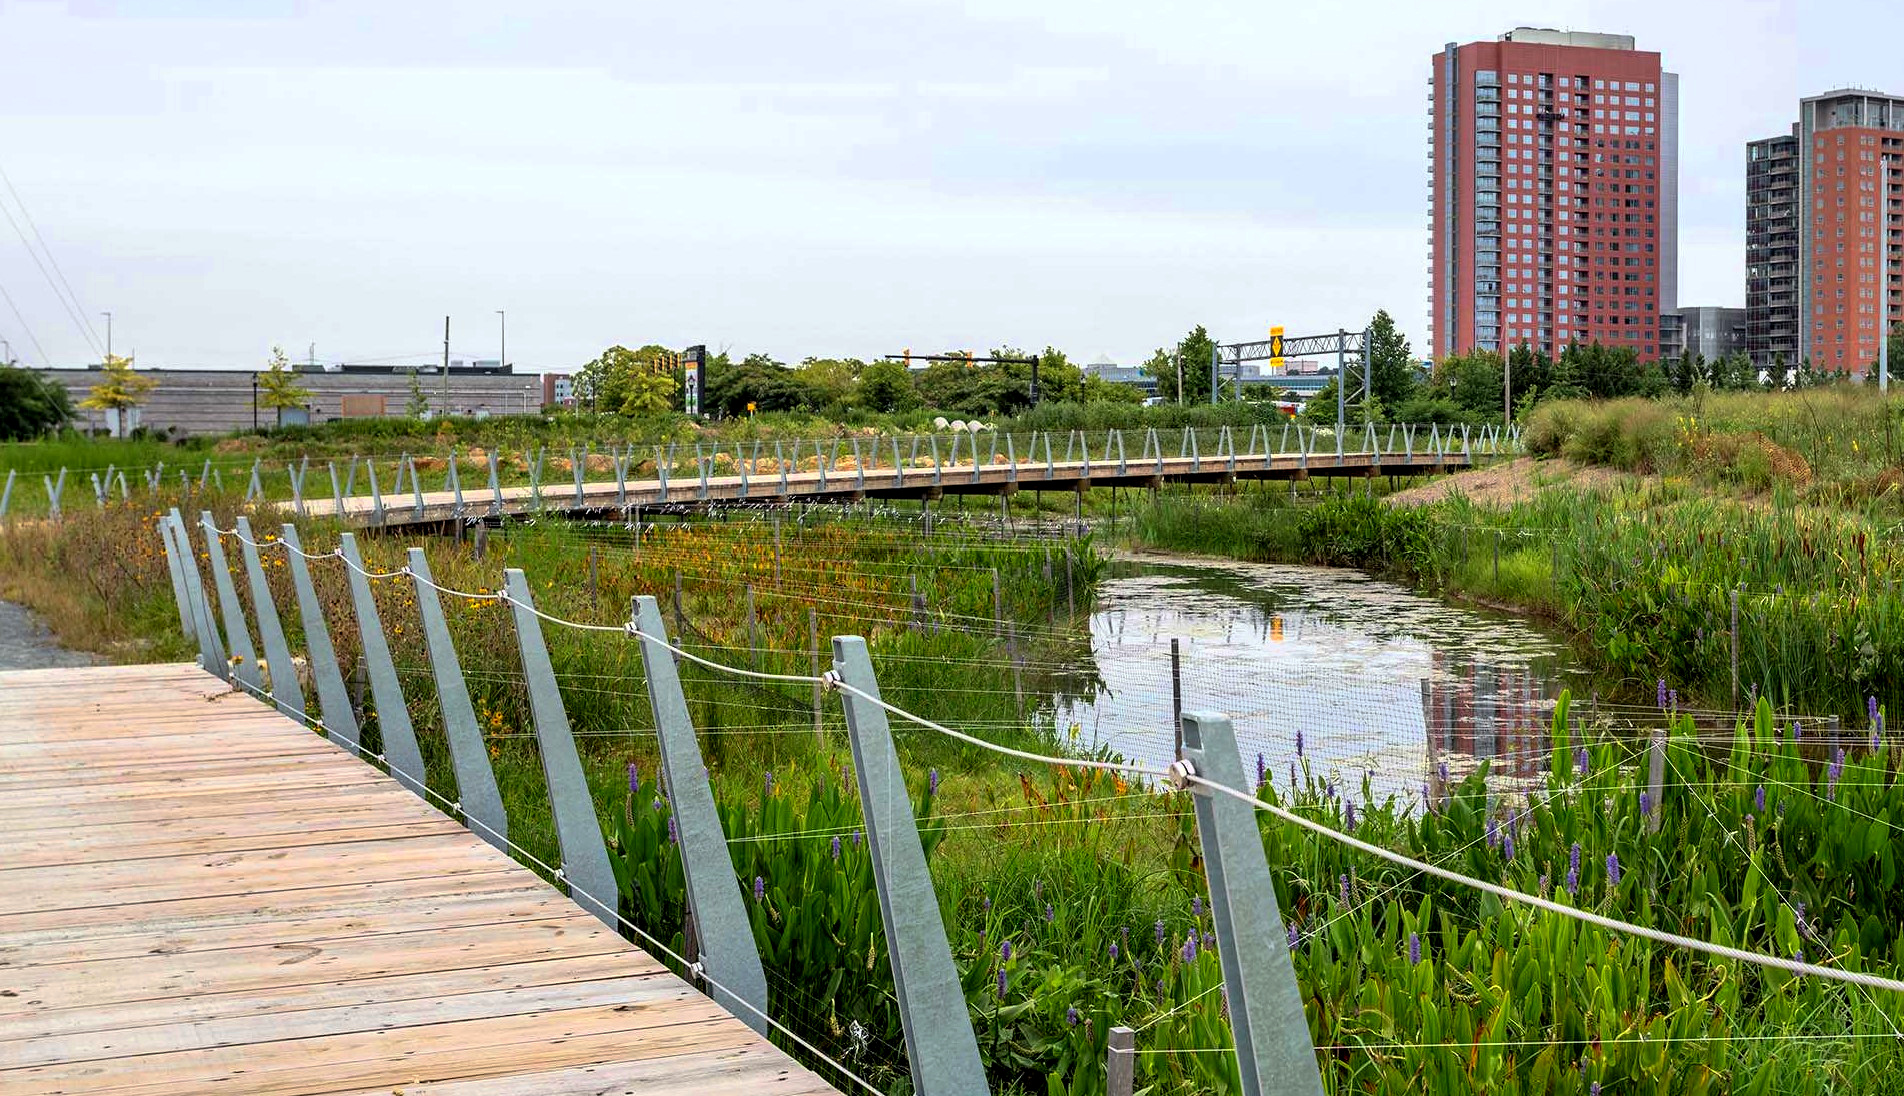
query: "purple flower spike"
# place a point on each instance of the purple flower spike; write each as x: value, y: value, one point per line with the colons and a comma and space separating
x: 1507, y: 844
x: 1196, y: 905
x: 1646, y: 804
x: 1349, y: 815
x: 1796, y: 732
x: 836, y: 846
x: 1071, y: 1016
x: 1113, y: 951
x: 1662, y: 694
x: 1343, y: 883
x: 1758, y: 799
x: 1595, y: 1090
x: 1672, y: 697
x: 1613, y: 869
x: 1298, y: 741
x: 932, y: 782
x: 1832, y: 773
x: 1292, y: 937
x: 769, y: 783
x: 760, y: 888
x: 1580, y: 760
x: 1493, y: 831
x: 1004, y: 951
x: 1414, y: 949
x: 1001, y: 981
x: 1444, y: 772
x: 634, y: 778
x: 674, y: 834
x: 1573, y: 869
x: 988, y: 903
x: 1160, y: 932
x: 1190, y: 948
x: 1050, y: 914
x: 858, y: 836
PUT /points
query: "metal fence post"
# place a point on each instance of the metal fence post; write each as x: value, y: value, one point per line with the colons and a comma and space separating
x: 297, y: 482
x: 940, y: 1047
x: 54, y: 491
x: 237, y: 636
x: 495, y: 486
x: 721, y: 924
x: 400, y: 750
x: 286, y: 693
x: 211, y: 648
x: 1120, y: 1061
x: 176, y: 561
x: 376, y: 496
x: 1274, y: 1054
x: 340, y: 722
x: 6, y: 493
x: 476, y: 792
x: 585, y: 868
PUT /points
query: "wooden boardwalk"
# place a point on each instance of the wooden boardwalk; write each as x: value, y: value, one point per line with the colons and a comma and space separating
x: 199, y: 895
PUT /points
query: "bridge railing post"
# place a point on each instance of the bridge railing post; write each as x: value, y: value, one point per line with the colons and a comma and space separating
x: 340, y: 721
x: 453, y: 483
x: 721, y: 925
x: 476, y: 793
x: 620, y: 455
x: 297, y: 483
x: 938, y: 467
x: 211, y: 648
x: 585, y: 868
x: 285, y: 691
x: 578, y: 463
x: 1051, y: 470
x: 941, y: 1049
x: 237, y: 635
x: 376, y: 496
x: 400, y: 749
x: 1123, y: 460
x: 175, y: 563
x: 859, y: 465
x: 416, y: 489
x: 53, y: 492
x: 495, y: 486
x: 899, y: 466
x: 1274, y: 1053
x: 661, y: 472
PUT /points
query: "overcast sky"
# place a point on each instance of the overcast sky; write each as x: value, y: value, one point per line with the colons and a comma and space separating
x: 816, y: 178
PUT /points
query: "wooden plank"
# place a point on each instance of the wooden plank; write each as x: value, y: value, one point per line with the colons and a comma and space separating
x: 737, y: 1072
x: 201, y: 894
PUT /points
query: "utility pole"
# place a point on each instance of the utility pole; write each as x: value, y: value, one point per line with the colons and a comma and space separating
x: 446, y: 363
x: 502, y: 358
x: 1179, y: 358
x: 108, y: 316
x: 6, y: 355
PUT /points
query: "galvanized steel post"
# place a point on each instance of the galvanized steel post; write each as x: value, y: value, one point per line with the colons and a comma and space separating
x: 285, y: 691
x: 1274, y: 1053
x: 400, y: 750
x: 940, y: 1047
x: 585, y: 867
x: 476, y: 792
x: 340, y: 722
x: 237, y: 636
x: 721, y: 924
x: 211, y: 649
x: 176, y: 560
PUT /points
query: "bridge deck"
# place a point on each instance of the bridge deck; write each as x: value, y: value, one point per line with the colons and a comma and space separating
x: 197, y: 894
x: 996, y: 476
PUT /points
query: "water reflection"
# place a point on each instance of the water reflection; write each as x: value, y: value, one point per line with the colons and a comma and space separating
x: 1382, y: 684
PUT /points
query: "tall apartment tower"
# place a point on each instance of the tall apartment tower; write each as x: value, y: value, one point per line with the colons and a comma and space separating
x: 1843, y: 225
x: 1771, y: 250
x: 1553, y: 193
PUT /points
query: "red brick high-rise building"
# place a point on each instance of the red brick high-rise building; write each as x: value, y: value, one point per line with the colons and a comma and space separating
x: 1554, y: 193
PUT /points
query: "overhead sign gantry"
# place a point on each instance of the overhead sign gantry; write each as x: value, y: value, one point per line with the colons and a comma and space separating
x: 1351, y: 350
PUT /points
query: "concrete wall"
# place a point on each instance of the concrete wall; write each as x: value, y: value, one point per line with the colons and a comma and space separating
x: 214, y: 401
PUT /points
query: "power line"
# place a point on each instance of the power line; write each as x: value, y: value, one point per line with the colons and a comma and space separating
x: 24, y: 326
x: 17, y: 200
x: 84, y: 332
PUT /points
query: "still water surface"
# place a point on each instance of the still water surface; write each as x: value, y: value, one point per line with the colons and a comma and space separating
x: 1372, y: 675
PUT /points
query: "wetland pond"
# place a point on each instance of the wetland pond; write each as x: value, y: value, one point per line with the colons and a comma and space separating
x: 1381, y: 681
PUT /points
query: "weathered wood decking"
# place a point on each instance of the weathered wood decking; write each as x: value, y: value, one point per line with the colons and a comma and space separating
x: 199, y: 895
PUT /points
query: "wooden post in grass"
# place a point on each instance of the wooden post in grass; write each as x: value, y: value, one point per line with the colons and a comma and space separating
x: 1120, y: 1061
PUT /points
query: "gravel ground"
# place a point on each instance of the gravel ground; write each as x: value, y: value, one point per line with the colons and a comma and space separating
x: 25, y: 644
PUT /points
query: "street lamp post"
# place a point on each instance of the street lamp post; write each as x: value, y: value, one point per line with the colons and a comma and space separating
x: 502, y: 353
x: 108, y: 316
x: 254, y: 401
